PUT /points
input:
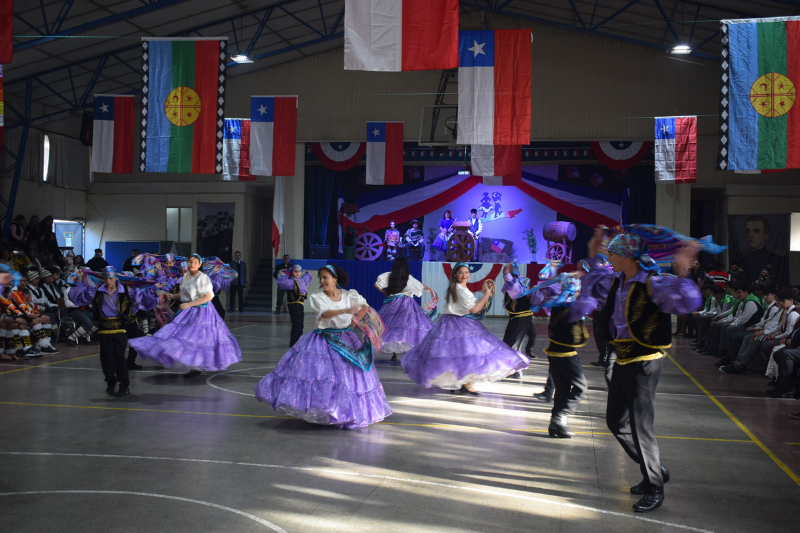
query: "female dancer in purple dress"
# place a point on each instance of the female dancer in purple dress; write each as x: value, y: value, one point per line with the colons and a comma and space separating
x: 459, y: 351
x: 196, y: 338
x: 405, y: 323
x: 328, y: 376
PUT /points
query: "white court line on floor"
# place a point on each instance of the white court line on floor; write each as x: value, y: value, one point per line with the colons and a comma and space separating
x: 526, y: 497
x: 150, y: 495
x: 208, y: 381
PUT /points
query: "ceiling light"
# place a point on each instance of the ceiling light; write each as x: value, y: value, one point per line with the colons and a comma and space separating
x: 682, y: 49
x: 464, y: 172
x: 241, y: 58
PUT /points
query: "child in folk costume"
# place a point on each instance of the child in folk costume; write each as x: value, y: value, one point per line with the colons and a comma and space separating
x: 296, y: 287
x: 328, y: 377
x: 405, y: 323
x: 517, y: 304
x: 196, y: 338
x: 459, y: 351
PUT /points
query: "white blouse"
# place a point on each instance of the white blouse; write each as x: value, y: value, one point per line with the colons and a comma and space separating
x: 466, y: 301
x: 321, y: 303
x: 195, y: 287
x: 412, y: 288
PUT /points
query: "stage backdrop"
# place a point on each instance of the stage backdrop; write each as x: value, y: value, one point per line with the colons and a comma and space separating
x: 759, y: 240
x: 215, y: 230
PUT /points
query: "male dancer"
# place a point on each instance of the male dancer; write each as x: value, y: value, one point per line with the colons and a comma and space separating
x: 475, y: 229
x: 638, y: 305
x: 518, y: 305
x: 415, y: 238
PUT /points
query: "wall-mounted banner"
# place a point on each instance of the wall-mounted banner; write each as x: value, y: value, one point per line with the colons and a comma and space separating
x: 758, y: 241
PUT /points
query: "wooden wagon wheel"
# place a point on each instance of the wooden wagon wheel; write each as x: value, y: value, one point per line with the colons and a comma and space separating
x: 556, y: 252
x: 368, y: 247
x: 460, y: 247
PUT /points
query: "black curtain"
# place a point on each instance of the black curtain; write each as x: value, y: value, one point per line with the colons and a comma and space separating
x: 320, y: 200
x: 642, y: 201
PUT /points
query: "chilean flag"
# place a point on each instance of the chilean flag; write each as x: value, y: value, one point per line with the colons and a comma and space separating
x: 236, y: 150
x: 384, y: 153
x: 500, y: 160
x: 112, y: 144
x: 494, y: 87
x: 398, y: 35
x: 273, y: 135
x: 676, y: 149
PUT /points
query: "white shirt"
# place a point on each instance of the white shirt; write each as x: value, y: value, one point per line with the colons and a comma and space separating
x: 773, y: 324
x: 747, y: 310
x: 67, y: 302
x: 466, y: 301
x: 320, y: 303
x: 769, y: 315
x: 412, y: 288
x: 195, y: 287
x: 787, y: 326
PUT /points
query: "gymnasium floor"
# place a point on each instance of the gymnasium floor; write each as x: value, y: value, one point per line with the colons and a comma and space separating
x: 201, y: 455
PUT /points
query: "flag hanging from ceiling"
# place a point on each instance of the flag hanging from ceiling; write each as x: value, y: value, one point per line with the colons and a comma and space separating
x: 494, y: 87
x: 620, y: 155
x: 273, y: 135
x: 236, y: 150
x: 502, y: 161
x: 112, y: 140
x: 676, y: 149
x: 397, y: 35
x: 2, y: 107
x: 7, y: 31
x: 278, y: 214
x: 339, y: 156
x: 384, y: 153
x: 183, y: 103
x: 759, y: 116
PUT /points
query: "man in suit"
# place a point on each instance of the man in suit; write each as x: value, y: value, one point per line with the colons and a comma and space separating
x: 286, y: 265
x: 239, y: 284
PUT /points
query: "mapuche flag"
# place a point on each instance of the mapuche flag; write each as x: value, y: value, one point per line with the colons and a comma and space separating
x: 112, y: 140
x: 384, y: 153
x: 494, y: 87
x: 236, y: 150
x: 759, y: 116
x: 273, y: 135
x: 183, y: 101
x: 400, y: 35
x: 2, y: 107
x: 676, y: 149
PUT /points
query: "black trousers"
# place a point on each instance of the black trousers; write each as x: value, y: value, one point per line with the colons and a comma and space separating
x: 516, y: 330
x: 280, y: 296
x: 548, y: 386
x: 570, y: 384
x: 735, y: 342
x: 788, y: 362
x: 112, y: 358
x: 599, y: 338
x: 133, y: 332
x: 236, y: 290
x: 630, y: 413
x: 218, y: 306
x: 703, y: 325
x: 297, y: 316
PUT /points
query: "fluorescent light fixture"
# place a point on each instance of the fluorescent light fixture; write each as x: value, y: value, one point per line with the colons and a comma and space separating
x: 241, y: 58
x: 464, y: 172
x: 682, y: 49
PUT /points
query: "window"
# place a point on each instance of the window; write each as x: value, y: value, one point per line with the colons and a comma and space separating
x: 46, y: 165
x: 179, y: 224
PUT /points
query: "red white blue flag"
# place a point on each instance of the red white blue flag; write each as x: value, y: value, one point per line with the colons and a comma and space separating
x: 236, y: 150
x: 505, y: 162
x: 273, y: 135
x: 494, y: 87
x: 112, y: 144
x: 400, y: 35
x: 619, y: 155
x: 676, y: 149
x: 339, y: 156
x: 384, y: 153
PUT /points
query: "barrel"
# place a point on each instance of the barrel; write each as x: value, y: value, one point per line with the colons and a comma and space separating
x: 558, y: 231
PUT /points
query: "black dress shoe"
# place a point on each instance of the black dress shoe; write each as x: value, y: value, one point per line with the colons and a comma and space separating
x: 559, y: 431
x: 723, y: 362
x: 596, y: 363
x: 779, y: 393
x: 515, y: 375
x: 465, y: 390
x: 795, y: 415
x: 394, y: 358
x: 773, y: 382
x: 543, y: 397
x: 110, y: 390
x: 123, y: 391
x: 641, y: 488
x: 529, y: 353
x: 650, y: 501
x: 134, y: 366
x: 192, y: 373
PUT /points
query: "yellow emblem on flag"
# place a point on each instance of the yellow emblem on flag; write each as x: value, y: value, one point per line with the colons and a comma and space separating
x: 182, y: 106
x: 772, y: 95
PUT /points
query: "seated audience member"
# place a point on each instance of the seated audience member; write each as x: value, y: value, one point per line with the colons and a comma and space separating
x: 82, y: 315
x: 737, y: 274
x: 788, y: 361
x: 705, y: 317
x: 746, y: 308
x: 769, y: 322
x: 79, y: 262
x: 708, y: 298
x: 766, y: 277
x: 5, y: 258
x: 718, y: 275
x: 97, y: 263
x: 17, y: 234
x: 35, y: 264
x: 766, y: 338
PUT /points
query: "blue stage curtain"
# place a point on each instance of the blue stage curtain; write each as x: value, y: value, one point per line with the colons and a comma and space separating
x: 364, y: 273
x: 319, y: 197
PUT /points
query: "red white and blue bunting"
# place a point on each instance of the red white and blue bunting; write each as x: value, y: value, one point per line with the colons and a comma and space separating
x: 620, y: 155
x: 339, y: 156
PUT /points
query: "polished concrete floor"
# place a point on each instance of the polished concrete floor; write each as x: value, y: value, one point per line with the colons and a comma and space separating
x: 201, y: 455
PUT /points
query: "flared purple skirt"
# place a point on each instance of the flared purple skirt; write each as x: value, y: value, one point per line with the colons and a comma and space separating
x: 406, y: 325
x: 316, y: 384
x: 459, y: 350
x: 197, y: 338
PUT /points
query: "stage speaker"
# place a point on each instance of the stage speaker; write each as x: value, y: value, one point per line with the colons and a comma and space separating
x: 320, y: 252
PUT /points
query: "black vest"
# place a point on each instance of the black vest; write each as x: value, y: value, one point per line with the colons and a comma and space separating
x: 564, y: 336
x: 297, y: 297
x: 113, y: 325
x: 650, y: 328
x: 517, y: 308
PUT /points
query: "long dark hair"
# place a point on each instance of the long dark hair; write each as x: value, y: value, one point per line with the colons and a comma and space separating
x: 451, y: 295
x: 398, y: 278
x: 342, y: 279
